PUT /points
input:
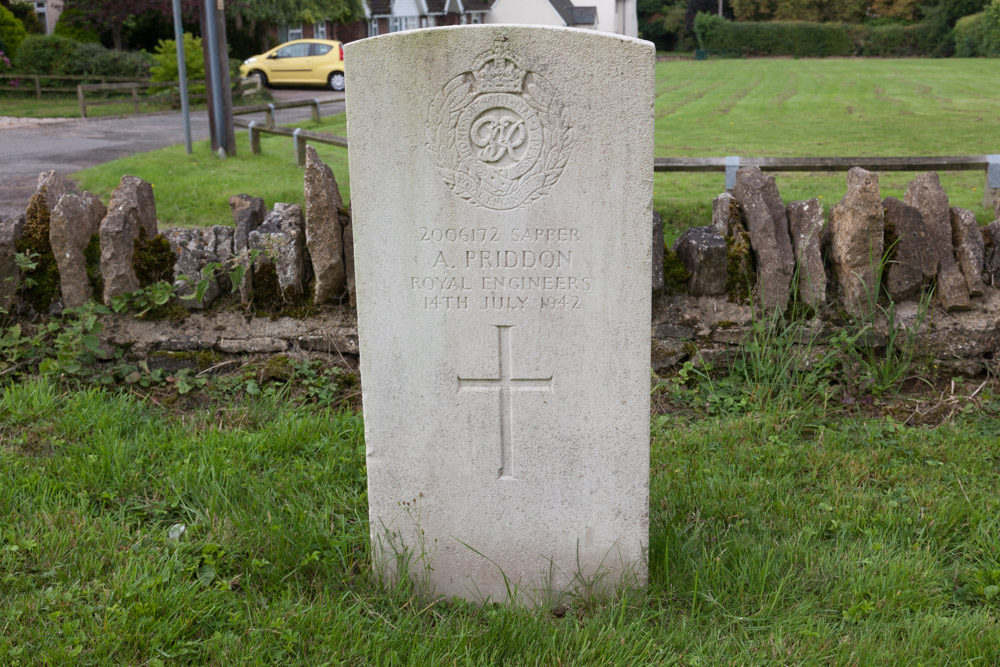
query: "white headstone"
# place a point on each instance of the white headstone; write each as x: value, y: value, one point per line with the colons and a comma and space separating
x: 501, y: 182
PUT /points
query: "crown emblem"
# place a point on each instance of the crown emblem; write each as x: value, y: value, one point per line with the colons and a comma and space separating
x: 500, y: 138
x: 500, y: 73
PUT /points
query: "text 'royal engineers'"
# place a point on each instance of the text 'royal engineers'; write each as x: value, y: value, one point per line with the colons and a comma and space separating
x: 501, y: 193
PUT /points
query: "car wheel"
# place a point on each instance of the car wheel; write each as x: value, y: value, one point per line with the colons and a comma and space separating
x: 263, y: 78
x: 336, y: 81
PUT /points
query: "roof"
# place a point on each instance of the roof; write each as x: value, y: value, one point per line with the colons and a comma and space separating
x: 573, y: 15
x: 476, y: 5
x: 436, y: 6
x: 380, y: 6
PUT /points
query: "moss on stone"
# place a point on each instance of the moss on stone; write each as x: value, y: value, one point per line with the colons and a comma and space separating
x: 740, y: 277
x: 40, y: 286
x: 675, y: 274
x: 197, y: 359
x: 171, y: 311
x: 152, y: 259
x: 266, y: 291
x: 278, y: 367
x: 268, y: 298
x: 92, y: 261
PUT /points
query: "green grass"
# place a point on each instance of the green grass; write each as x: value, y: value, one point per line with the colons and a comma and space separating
x: 66, y: 106
x: 822, y: 108
x: 832, y: 107
x: 850, y: 541
x: 194, y: 190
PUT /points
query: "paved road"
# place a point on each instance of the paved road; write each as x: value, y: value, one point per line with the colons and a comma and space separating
x: 73, y: 144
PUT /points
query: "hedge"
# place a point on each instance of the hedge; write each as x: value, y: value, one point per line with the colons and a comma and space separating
x: 53, y: 54
x: 979, y: 34
x: 807, y: 39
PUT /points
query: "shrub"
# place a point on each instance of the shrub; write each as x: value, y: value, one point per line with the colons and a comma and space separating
x: 979, y: 34
x: 94, y: 59
x: 57, y: 55
x: 970, y: 31
x: 25, y: 13
x: 41, y: 54
x: 12, y: 32
x: 991, y: 42
x: 69, y: 25
x: 895, y: 40
x: 165, y: 59
x: 931, y: 37
x: 775, y: 38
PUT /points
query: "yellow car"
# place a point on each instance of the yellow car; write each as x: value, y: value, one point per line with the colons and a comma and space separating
x: 311, y: 61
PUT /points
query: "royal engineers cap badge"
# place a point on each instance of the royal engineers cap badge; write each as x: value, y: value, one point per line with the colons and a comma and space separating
x: 499, y: 135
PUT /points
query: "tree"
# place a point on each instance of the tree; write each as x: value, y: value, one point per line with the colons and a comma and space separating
x: 12, y: 33
x: 115, y: 14
x: 25, y: 12
x: 307, y: 11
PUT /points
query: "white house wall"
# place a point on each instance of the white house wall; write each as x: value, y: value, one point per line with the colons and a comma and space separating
x: 607, y: 21
x: 405, y: 8
x: 534, y: 12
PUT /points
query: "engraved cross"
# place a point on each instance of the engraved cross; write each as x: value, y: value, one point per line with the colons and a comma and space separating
x: 505, y: 383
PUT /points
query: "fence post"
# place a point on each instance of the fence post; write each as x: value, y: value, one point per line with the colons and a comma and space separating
x: 254, y: 137
x: 38, y: 87
x: 269, y: 114
x: 82, y: 100
x: 135, y: 99
x: 732, y: 165
x: 300, y: 148
x: 315, y: 110
x: 991, y: 193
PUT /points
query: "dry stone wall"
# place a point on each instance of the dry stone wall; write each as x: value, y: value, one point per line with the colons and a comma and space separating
x: 757, y: 256
x: 847, y: 266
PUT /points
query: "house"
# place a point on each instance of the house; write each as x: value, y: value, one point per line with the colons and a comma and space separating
x: 385, y: 16
x: 617, y: 16
x: 48, y: 13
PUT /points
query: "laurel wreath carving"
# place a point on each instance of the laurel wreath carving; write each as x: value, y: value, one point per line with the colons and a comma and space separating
x: 441, y: 137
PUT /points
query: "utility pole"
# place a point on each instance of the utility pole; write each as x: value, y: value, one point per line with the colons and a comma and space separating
x: 220, y: 109
x: 182, y: 75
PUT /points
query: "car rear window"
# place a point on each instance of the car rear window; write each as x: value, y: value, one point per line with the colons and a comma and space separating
x: 320, y: 49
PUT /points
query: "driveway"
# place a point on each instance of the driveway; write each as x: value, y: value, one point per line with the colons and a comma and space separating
x: 29, y: 146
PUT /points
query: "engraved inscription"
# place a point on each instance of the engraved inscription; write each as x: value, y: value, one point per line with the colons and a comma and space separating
x: 498, y: 133
x: 471, y: 268
x: 504, y: 384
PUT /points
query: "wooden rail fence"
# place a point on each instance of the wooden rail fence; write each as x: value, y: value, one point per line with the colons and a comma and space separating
x: 729, y: 165
x: 37, y: 79
x: 247, y: 87
x: 299, y: 135
x: 988, y: 163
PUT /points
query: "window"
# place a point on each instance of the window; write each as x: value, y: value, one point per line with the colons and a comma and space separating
x: 294, y: 32
x: 373, y: 28
x: 319, y: 49
x: 293, y: 51
x: 477, y: 18
x: 397, y: 23
x: 319, y: 30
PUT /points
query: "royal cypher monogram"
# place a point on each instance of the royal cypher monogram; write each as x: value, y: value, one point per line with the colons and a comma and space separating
x: 499, y: 134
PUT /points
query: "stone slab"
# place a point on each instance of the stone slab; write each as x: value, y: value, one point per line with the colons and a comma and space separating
x: 507, y: 423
